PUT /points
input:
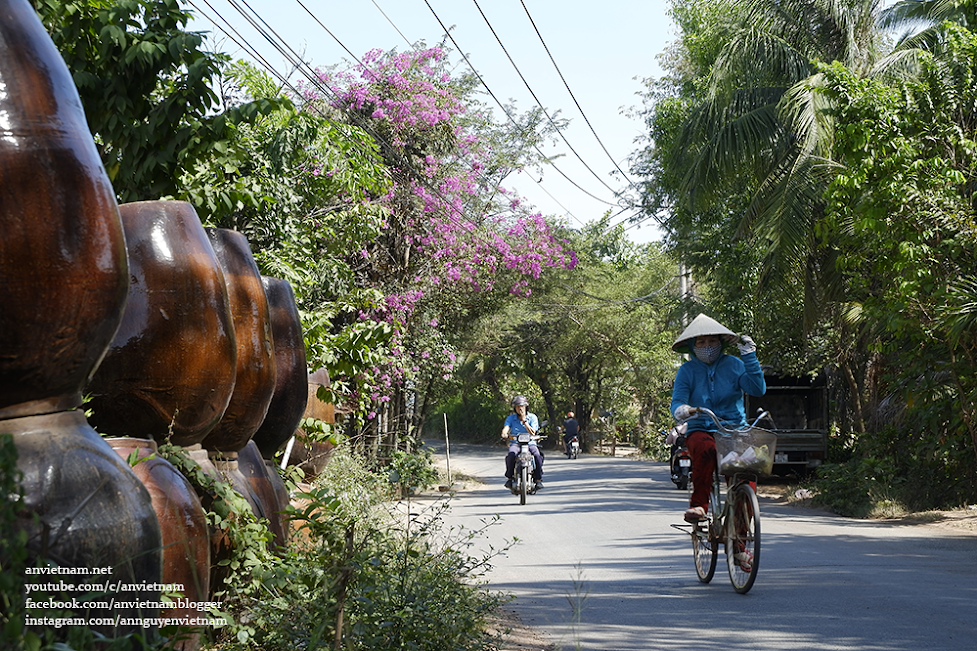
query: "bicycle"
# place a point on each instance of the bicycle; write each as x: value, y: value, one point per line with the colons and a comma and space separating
x: 744, y: 454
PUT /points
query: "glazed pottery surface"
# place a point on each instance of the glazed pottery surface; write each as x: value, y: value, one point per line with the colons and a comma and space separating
x: 183, y: 525
x: 290, y: 397
x: 91, y: 511
x: 63, y: 279
x: 281, y: 491
x: 263, y: 485
x: 224, y: 468
x: 312, y: 456
x: 254, y: 385
x: 171, y: 368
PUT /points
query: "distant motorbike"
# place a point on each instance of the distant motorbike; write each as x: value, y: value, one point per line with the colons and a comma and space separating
x: 680, y: 463
x: 573, y: 448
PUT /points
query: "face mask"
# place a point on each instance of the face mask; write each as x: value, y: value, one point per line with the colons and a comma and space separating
x: 709, y: 354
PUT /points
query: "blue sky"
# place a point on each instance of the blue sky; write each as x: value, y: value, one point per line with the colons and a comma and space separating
x: 603, y: 50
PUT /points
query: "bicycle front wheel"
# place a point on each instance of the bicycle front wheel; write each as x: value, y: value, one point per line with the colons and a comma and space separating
x: 743, y: 537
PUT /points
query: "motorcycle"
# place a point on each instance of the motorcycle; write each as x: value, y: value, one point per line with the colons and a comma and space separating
x: 680, y: 463
x: 573, y: 448
x: 523, y: 483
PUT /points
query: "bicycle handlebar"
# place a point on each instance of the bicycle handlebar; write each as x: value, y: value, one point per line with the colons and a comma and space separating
x: 722, y: 426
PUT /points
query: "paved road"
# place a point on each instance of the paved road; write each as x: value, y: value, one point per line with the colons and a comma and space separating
x: 598, y: 567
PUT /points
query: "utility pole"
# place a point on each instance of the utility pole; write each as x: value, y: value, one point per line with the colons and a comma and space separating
x: 683, y: 289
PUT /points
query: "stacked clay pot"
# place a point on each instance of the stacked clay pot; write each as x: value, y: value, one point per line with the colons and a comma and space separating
x: 312, y: 456
x: 288, y: 402
x: 267, y: 487
x: 224, y: 469
x: 255, y: 377
x: 170, y: 371
x: 290, y: 396
x: 185, y: 533
x: 63, y: 286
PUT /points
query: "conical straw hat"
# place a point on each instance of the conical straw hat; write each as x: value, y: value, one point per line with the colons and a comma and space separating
x: 700, y: 327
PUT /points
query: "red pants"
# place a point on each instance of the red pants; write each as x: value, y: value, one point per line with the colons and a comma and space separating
x: 702, y: 450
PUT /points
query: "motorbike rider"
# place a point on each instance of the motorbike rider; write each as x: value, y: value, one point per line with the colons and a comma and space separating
x: 671, y: 439
x: 570, y: 429
x: 712, y: 379
x: 521, y: 420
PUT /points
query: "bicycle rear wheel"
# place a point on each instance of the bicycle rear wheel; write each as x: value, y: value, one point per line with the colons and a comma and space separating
x: 743, y: 537
x: 704, y: 551
x: 705, y: 545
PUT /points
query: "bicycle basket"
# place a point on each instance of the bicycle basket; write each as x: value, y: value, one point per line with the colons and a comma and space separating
x: 749, y: 450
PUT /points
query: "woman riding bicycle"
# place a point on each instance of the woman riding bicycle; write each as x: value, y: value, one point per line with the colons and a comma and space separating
x: 716, y: 381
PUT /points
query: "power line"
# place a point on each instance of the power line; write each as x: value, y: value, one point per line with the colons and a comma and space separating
x: 394, y: 25
x: 336, y: 38
x: 605, y: 303
x: 547, y: 192
x: 502, y: 106
x: 538, y: 103
x: 409, y: 44
x: 563, y: 79
x: 275, y: 40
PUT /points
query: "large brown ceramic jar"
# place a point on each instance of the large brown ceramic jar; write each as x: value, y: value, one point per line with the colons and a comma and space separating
x: 91, y: 511
x: 290, y: 397
x: 183, y: 525
x: 264, y: 486
x: 312, y: 456
x: 63, y: 277
x: 170, y: 370
x: 255, y: 378
x: 222, y: 467
x: 63, y: 285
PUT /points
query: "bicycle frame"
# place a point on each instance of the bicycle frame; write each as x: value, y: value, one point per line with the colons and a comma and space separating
x: 734, y: 521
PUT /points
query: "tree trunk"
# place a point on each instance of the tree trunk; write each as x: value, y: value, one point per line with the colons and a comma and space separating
x: 966, y: 406
x: 859, y: 421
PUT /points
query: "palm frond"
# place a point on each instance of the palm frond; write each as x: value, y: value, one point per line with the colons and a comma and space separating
x: 807, y: 111
x: 961, y: 315
x: 754, y: 58
x: 900, y: 65
x: 788, y: 202
x: 726, y: 136
x: 916, y: 14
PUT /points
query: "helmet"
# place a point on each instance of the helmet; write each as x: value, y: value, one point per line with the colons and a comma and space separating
x: 569, y: 414
x: 702, y: 326
x: 520, y: 400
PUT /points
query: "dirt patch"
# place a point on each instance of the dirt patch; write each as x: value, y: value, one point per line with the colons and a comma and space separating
x: 959, y: 520
x: 962, y: 520
x: 517, y: 635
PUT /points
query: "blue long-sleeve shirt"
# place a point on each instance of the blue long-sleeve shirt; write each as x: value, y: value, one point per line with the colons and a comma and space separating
x: 718, y: 386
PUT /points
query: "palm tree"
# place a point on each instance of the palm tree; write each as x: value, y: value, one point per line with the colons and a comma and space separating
x: 764, y: 119
x: 920, y: 18
x: 766, y: 125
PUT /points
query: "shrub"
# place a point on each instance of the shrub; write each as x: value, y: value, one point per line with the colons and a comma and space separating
x: 855, y: 488
x: 413, y: 472
x: 358, y: 576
